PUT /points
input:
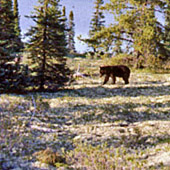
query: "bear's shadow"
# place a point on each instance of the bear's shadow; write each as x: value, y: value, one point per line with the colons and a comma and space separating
x: 102, y: 91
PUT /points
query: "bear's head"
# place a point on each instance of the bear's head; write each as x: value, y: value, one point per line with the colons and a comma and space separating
x: 102, y: 70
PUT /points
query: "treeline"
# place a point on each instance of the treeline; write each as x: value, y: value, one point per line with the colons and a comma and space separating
x: 49, y: 41
x: 140, y: 29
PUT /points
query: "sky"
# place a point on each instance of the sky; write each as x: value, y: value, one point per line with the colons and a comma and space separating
x: 83, y: 12
x: 82, y: 9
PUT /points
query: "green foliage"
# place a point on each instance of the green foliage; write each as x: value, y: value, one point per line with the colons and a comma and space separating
x: 11, y: 73
x: 47, y: 46
x: 8, y: 40
x: 167, y: 25
x: 96, y: 24
x: 64, y: 11
x: 96, y: 55
x: 122, y: 58
x: 17, y: 28
x: 16, y: 20
x: 71, y: 33
x: 14, y: 78
x: 136, y: 28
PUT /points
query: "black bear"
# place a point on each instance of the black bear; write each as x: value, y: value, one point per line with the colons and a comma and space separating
x: 115, y: 71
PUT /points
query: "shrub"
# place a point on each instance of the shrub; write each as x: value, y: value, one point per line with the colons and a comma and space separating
x: 123, y: 59
x: 49, y: 156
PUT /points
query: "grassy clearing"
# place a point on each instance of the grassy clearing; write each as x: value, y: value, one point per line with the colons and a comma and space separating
x: 89, y: 125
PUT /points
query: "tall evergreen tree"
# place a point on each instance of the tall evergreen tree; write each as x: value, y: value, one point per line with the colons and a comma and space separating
x: 97, y: 21
x: 17, y: 28
x: 96, y: 24
x: 10, y: 74
x: 47, y: 45
x: 65, y: 24
x: 16, y: 20
x: 8, y: 42
x: 71, y: 33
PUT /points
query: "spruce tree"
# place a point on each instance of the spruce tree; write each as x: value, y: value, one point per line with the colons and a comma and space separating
x: 16, y: 20
x: 17, y: 28
x: 65, y: 24
x: 97, y: 21
x: 8, y: 42
x: 47, y: 46
x: 96, y: 24
x: 71, y: 33
x: 11, y: 74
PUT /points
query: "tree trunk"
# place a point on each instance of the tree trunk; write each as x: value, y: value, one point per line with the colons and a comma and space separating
x: 42, y: 81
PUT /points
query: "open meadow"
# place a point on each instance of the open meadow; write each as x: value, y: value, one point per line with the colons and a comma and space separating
x: 89, y: 126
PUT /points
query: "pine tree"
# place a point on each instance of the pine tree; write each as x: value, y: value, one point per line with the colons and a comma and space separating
x: 96, y: 24
x: 65, y: 24
x: 16, y: 15
x: 11, y: 74
x: 47, y: 46
x: 97, y: 21
x: 71, y: 33
x: 7, y: 34
x: 17, y: 28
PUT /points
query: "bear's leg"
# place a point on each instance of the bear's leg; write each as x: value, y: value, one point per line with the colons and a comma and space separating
x: 113, y: 79
x: 106, y: 79
x: 126, y: 80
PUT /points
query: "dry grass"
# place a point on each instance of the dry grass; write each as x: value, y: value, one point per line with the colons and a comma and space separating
x: 92, y: 126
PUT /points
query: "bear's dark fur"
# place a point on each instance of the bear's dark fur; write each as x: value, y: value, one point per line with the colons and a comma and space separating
x: 115, y: 71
